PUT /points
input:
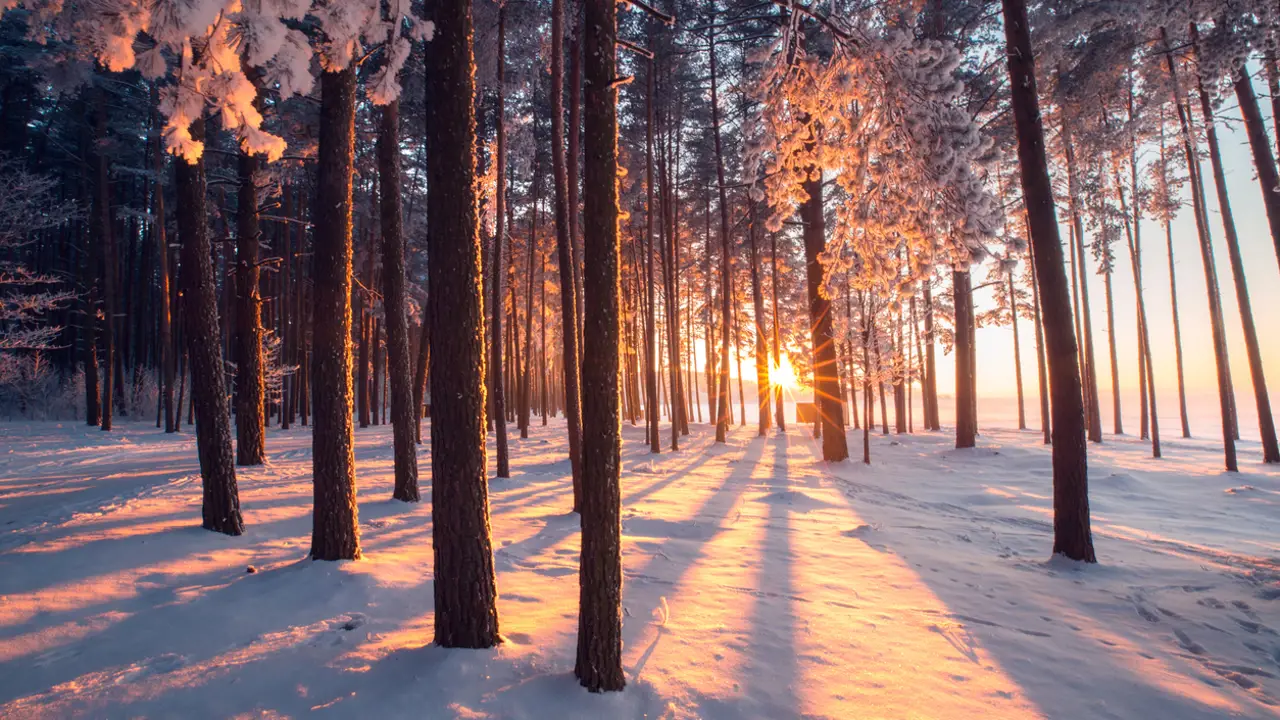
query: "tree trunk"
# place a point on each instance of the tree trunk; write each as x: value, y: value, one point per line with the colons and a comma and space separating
x: 465, y: 588
x: 650, y: 339
x: 105, y: 237
x: 1173, y: 300
x: 220, y: 509
x: 394, y: 304
x: 966, y: 432
x: 1017, y: 352
x: 496, y: 338
x: 779, y: 404
x: 1263, y: 161
x: 599, y: 660
x: 1225, y: 400
x: 1072, y: 534
x: 165, y: 351
x: 1118, y: 424
x: 726, y: 258
x: 825, y: 369
x: 565, y: 210
x: 335, y: 529
x: 250, y: 388
x: 763, y: 391
x: 1266, y: 425
x: 1094, y: 418
x: 932, y: 419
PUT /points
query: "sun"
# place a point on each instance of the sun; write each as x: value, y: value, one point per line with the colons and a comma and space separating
x: 783, y: 374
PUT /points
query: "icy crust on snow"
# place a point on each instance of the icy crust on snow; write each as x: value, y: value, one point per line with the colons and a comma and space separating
x: 760, y: 583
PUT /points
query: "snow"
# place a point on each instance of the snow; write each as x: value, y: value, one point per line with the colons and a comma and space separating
x: 760, y: 583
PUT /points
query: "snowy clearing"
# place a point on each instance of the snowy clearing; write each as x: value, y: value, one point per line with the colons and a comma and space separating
x: 760, y: 583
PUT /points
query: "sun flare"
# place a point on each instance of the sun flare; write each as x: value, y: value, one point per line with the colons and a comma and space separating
x: 783, y: 374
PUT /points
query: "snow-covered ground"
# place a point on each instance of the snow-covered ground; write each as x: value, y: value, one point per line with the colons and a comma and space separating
x: 760, y: 583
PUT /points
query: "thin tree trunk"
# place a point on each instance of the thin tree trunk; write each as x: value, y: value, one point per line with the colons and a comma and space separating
x: 1263, y: 161
x: 726, y: 258
x: 779, y: 414
x: 105, y: 237
x: 966, y: 432
x: 168, y: 365
x: 1266, y: 425
x: 250, y: 386
x: 1094, y: 414
x: 394, y: 305
x: 220, y: 509
x: 496, y: 339
x: 1017, y: 352
x: 1225, y: 400
x: 565, y: 208
x: 932, y: 419
x: 650, y: 339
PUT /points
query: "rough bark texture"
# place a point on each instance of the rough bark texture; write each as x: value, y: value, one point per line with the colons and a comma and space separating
x: 394, y: 304
x: 1072, y: 534
x: 564, y: 254
x: 221, y: 505
x: 465, y: 588
x: 599, y: 660
x: 335, y: 530
x: 250, y: 387
x: 826, y: 369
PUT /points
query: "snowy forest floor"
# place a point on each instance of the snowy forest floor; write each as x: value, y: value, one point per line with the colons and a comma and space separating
x: 760, y: 583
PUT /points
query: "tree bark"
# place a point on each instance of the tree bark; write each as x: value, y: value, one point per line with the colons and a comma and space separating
x: 165, y: 352
x: 1094, y: 413
x: 726, y: 258
x: 1072, y: 534
x: 1221, y: 361
x: 465, y: 588
x: 599, y: 659
x: 394, y: 304
x: 250, y: 387
x: 835, y: 446
x: 105, y: 237
x: 499, y: 400
x: 335, y: 529
x: 1263, y: 161
x: 220, y: 509
x: 565, y: 210
x: 1266, y: 424
x: 966, y: 432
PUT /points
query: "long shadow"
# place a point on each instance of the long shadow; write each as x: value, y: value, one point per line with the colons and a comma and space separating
x: 665, y: 568
x: 1109, y: 683
x: 558, y: 527
x: 774, y: 624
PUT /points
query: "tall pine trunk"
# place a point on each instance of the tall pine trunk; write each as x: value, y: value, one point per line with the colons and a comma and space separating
x: 599, y: 657
x: 1094, y: 412
x: 1071, y: 530
x: 1221, y: 362
x: 1266, y: 424
x: 565, y: 255
x: 166, y: 355
x: 726, y: 257
x: 250, y: 387
x: 465, y: 587
x: 966, y: 429
x: 496, y: 339
x: 220, y: 508
x: 825, y: 367
x: 1263, y: 161
x: 394, y: 304
x: 335, y: 529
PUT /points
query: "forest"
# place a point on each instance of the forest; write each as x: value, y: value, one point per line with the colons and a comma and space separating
x: 465, y: 288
